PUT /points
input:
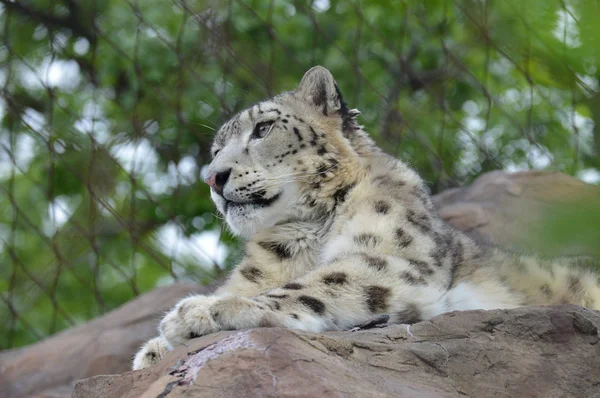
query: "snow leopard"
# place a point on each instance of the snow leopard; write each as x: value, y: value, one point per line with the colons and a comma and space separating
x: 338, y: 232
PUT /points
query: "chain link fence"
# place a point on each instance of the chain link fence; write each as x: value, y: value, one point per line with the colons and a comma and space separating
x: 108, y: 109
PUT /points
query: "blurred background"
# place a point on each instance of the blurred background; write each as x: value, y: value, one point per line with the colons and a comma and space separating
x: 108, y: 107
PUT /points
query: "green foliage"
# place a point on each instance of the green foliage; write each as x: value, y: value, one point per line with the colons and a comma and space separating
x: 573, y: 226
x: 108, y: 109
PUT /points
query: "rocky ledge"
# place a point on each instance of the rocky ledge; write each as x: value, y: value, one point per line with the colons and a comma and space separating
x: 525, y: 352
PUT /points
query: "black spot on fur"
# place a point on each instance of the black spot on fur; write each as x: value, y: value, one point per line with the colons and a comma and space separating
x: 377, y: 297
x: 421, y: 266
x: 319, y: 96
x: 375, y: 262
x: 438, y: 258
x: 421, y: 221
x: 545, y: 289
x: 340, y: 195
x: 420, y: 193
x: 278, y: 248
x: 382, y: 207
x: 457, y: 254
x: 367, y: 240
x: 298, y: 135
x: 277, y: 296
x: 412, y: 280
x: 335, y: 278
x: 253, y: 274
x: 403, y: 239
x: 443, y: 242
x: 575, y: 286
x: 193, y: 335
x: 295, y: 316
x: 410, y: 314
x: 315, y: 137
x: 457, y: 259
x: 293, y: 286
x: 314, y: 304
x: 322, y: 151
x: 323, y: 168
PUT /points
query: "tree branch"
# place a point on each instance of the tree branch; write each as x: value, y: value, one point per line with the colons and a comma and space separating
x: 71, y: 22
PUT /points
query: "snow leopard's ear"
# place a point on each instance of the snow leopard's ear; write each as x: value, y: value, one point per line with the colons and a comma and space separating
x: 318, y: 87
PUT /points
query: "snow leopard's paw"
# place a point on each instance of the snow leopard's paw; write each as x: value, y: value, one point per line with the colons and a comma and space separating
x: 201, y: 315
x: 190, y: 318
x: 150, y: 353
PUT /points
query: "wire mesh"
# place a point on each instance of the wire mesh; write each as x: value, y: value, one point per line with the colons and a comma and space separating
x: 108, y: 108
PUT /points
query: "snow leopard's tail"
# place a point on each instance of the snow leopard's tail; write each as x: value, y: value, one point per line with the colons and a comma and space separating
x: 563, y: 280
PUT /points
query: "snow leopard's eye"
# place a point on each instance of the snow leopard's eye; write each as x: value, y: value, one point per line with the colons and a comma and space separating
x: 262, y: 129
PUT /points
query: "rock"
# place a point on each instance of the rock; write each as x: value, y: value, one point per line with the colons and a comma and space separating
x: 51, y: 367
x: 524, y: 352
x: 508, y: 209
x: 497, y: 207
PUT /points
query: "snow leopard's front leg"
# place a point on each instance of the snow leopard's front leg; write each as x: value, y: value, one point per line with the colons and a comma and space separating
x: 339, y: 295
x: 247, y: 280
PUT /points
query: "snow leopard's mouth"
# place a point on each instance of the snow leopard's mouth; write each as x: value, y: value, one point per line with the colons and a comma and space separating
x: 258, y: 201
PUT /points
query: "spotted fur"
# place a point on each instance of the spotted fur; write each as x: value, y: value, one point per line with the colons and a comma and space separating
x: 338, y: 232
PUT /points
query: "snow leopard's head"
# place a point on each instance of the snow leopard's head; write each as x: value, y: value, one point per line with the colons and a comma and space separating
x: 282, y: 157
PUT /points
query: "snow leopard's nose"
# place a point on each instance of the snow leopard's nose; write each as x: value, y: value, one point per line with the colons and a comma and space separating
x: 218, y: 180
